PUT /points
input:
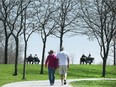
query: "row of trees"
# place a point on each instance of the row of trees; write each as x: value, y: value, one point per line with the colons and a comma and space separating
x: 22, y: 18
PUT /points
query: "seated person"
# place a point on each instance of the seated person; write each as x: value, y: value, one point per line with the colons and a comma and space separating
x: 89, y: 55
x: 36, y: 59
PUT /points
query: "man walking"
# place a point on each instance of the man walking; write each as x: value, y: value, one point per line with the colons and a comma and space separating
x: 63, y: 61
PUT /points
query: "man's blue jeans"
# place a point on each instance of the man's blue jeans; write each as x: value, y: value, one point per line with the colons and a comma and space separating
x: 51, y: 73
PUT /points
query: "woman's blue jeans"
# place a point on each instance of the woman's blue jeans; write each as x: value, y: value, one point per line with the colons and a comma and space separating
x: 51, y: 73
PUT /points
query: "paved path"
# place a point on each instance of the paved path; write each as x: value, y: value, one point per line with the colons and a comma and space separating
x: 45, y: 83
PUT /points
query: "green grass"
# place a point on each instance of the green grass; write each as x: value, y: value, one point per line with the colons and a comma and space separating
x: 101, y: 83
x: 91, y: 71
x: 33, y: 72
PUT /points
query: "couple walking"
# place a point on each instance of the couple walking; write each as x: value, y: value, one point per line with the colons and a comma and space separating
x: 61, y: 61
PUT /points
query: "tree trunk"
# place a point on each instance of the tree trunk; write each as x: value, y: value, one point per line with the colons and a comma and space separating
x: 61, y: 41
x: 114, y: 53
x: 104, y: 68
x: 6, y: 51
x: 24, y: 66
x: 16, y: 59
x: 43, y: 55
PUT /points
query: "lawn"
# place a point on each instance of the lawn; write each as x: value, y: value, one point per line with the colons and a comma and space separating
x: 33, y: 72
x: 101, y: 83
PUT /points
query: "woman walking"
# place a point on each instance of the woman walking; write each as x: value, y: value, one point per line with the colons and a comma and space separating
x: 51, y: 63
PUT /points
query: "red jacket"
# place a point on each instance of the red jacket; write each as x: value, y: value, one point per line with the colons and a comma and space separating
x: 51, y: 61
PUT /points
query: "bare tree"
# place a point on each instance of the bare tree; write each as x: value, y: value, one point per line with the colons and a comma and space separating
x: 65, y: 17
x: 11, y: 47
x: 114, y: 50
x: 29, y: 28
x: 100, y: 23
x: 5, y: 10
x: 43, y: 16
x: 15, y: 19
x: 112, y: 7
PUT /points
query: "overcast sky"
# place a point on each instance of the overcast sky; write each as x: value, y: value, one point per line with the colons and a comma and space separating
x: 75, y: 46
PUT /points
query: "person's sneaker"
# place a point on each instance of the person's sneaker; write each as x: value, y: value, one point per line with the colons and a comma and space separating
x: 61, y: 84
x: 64, y: 82
x: 51, y: 84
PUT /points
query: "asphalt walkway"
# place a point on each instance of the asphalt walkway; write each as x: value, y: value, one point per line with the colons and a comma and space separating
x: 45, y: 83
